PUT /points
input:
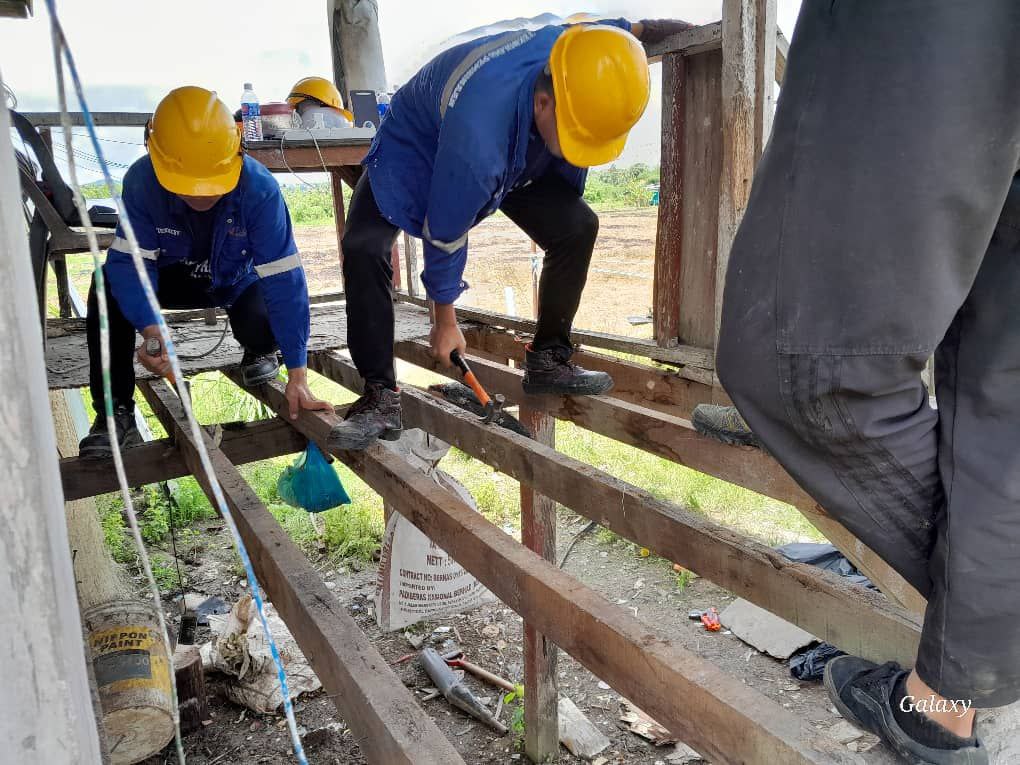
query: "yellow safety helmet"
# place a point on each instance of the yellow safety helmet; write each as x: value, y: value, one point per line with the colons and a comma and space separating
x: 601, y: 84
x: 195, y: 144
x: 322, y: 90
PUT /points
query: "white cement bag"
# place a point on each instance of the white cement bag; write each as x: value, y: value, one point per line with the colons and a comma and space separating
x: 417, y: 580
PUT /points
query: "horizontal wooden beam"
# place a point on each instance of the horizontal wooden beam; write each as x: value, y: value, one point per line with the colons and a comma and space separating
x: 329, y: 154
x: 690, y: 42
x: 656, y: 432
x: 664, y: 390
x: 155, y: 461
x: 691, y: 697
x: 858, y: 620
x: 99, y: 119
x: 704, y: 358
x: 387, y: 722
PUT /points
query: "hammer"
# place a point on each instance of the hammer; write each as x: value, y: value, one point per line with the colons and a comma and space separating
x: 493, y: 406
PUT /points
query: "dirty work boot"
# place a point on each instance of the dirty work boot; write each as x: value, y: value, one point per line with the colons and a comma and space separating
x: 259, y: 368
x: 96, y: 445
x: 864, y: 693
x: 723, y: 423
x: 550, y: 371
x: 375, y: 415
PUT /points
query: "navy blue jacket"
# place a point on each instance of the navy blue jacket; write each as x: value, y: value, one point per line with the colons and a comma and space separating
x: 252, y: 239
x: 454, y: 143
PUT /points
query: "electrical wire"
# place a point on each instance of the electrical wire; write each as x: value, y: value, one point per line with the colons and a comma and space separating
x: 322, y: 161
x: 60, y: 44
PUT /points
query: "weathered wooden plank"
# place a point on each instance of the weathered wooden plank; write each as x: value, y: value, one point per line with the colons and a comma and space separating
x: 684, y: 354
x: 656, y: 388
x: 155, y: 461
x: 696, y: 700
x: 388, y: 723
x: 782, y: 51
x: 669, y: 225
x: 302, y: 156
x: 766, y: 41
x: 100, y: 119
x: 690, y: 42
x: 699, y: 230
x: 538, y: 534
x: 856, y: 619
x: 339, y: 215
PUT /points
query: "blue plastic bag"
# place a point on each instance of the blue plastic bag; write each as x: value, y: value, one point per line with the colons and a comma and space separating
x: 311, y: 483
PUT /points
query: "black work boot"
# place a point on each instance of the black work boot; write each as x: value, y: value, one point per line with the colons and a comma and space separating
x: 550, y: 371
x: 864, y: 693
x: 258, y: 368
x: 723, y: 423
x: 375, y: 415
x: 96, y: 445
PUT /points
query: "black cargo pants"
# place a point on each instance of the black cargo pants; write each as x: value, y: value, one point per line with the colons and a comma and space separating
x: 883, y: 226
x: 549, y: 210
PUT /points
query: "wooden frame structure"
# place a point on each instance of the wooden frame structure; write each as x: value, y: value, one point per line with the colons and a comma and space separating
x: 717, y: 105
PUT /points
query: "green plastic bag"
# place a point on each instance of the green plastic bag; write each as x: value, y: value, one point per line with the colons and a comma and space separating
x: 311, y: 483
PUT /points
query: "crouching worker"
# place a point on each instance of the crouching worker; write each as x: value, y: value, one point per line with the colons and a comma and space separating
x: 213, y: 230
x: 508, y: 122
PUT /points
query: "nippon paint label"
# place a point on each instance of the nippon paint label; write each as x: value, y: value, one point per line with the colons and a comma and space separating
x: 130, y: 657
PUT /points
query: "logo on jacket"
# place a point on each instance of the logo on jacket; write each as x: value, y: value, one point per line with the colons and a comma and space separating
x: 237, y: 231
x: 170, y: 231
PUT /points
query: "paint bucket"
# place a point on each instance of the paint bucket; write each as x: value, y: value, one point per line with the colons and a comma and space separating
x: 132, y: 671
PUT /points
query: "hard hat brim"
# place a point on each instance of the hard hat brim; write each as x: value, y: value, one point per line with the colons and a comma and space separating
x: 189, y: 185
x: 585, y: 153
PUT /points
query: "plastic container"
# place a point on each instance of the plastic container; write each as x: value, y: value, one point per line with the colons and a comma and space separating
x: 250, y: 114
x: 277, y: 118
x: 383, y: 102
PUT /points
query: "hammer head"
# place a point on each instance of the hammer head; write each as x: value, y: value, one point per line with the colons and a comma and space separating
x: 494, y: 408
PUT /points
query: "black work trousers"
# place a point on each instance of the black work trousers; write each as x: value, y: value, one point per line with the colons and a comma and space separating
x: 548, y: 210
x: 178, y: 288
x: 884, y: 225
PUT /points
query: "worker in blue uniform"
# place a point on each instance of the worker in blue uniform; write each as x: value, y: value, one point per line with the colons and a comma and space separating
x: 507, y: 122
x: 213, y: 230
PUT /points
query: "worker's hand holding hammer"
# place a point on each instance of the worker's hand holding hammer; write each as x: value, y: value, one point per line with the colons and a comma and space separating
x: 446, y: 335
x: 158, y: 364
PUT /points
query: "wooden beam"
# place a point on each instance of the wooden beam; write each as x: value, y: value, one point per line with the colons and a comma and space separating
x: 765, y: 44
x: 155, y: 461
x: 99, y: 119
x: 387, y: 722
x: 699, y: 702
x: 664, y: 390
x: 538, y: 534
x: 703, y: 358
x: 339, y: 216
x: 782, y: 51
x: 328, y: 155
x: 45, y: 702
x: 669, y: 226
x: 858, y: 620
x: 690, y: 42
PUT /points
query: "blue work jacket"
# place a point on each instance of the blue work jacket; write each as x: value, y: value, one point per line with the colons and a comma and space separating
x: 454, y: 143
x: 252, y: 239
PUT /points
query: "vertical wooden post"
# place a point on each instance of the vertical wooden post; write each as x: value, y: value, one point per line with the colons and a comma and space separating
x: 411, y: 263
x: 538, y: 533
x: 45, y: 704
x: 395, y: 262
x: 669, y: 230
x: 337, y: 186
x: 58, y: 262
x: 747, y: 27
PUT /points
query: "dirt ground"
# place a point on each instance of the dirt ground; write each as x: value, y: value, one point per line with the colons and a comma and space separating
x: 492, y: 637
x: 619, y: 280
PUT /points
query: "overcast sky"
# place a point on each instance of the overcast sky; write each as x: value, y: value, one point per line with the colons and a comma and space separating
x: 132, y: 52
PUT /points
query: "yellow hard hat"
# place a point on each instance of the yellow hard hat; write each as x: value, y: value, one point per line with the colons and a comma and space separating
x: 601, y: 83
x: 319, y: 88
x: 195, y: 144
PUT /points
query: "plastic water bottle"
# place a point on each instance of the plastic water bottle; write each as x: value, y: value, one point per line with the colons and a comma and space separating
x: 251, y: 119
x: 383, y: 104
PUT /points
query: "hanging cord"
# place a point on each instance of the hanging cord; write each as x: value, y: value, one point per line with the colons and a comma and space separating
x: 104, y: 345
x: 60, y: 43
x: 283, y: 156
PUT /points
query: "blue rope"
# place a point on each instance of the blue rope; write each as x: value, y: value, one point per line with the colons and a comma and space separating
x: 175, y: 365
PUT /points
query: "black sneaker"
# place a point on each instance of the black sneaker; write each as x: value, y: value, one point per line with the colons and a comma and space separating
x: 259, y: 368
x: 96, y: 445
x: 862, y: 692
x: 375, y: 415
x: 723, y: 423
x: 550, y: 371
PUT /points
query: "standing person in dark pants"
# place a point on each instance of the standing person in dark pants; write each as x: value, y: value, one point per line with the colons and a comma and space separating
x: 883, y: 226
x: 507, y: 122
x: 213, y: 230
